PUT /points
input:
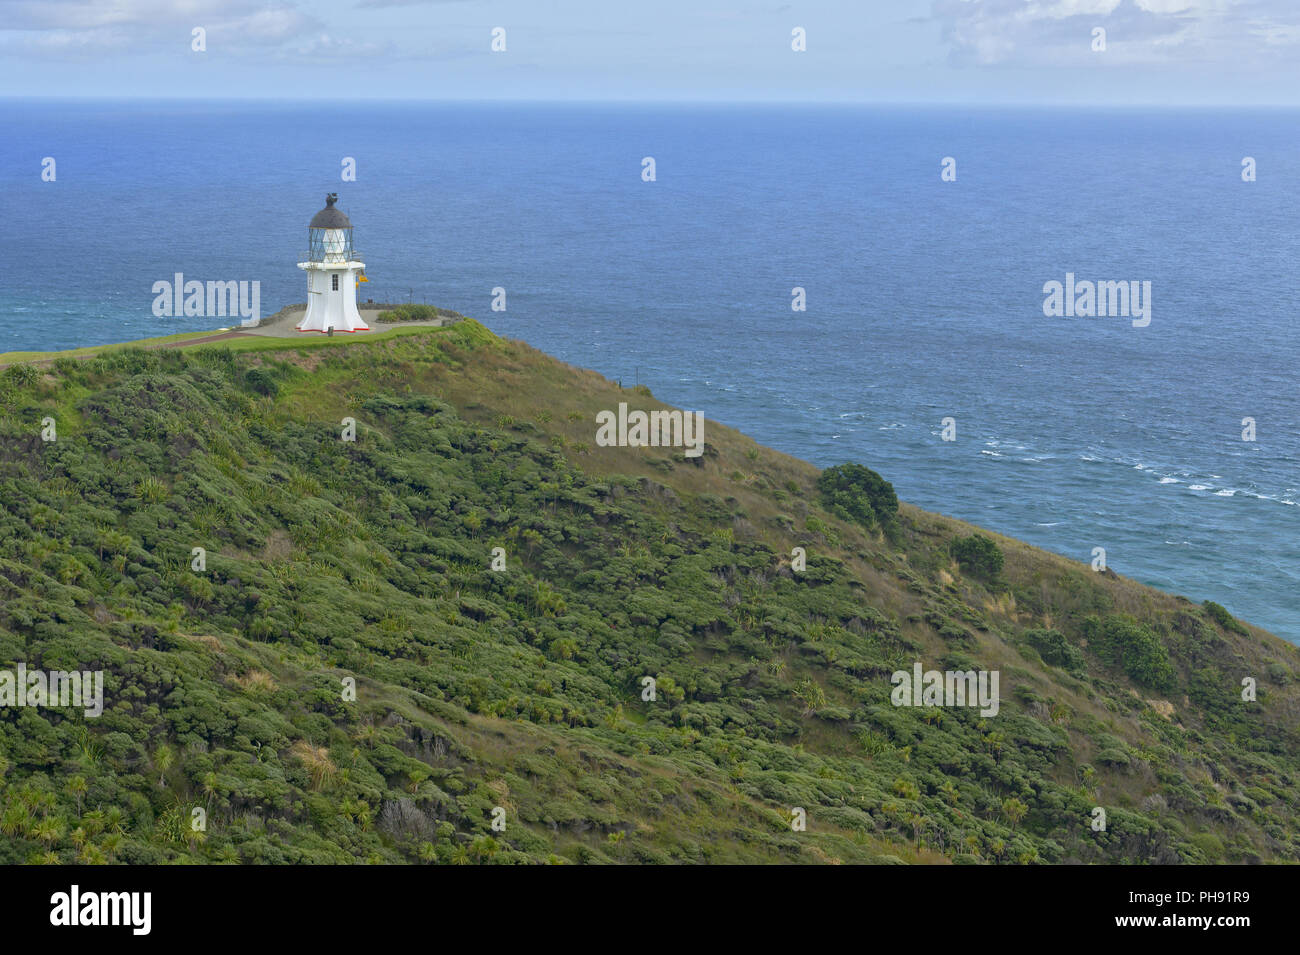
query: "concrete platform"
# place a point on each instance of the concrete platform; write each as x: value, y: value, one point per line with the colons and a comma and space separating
x: 281, y: 324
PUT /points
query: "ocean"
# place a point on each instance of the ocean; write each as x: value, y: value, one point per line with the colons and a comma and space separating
x: 924, y: 297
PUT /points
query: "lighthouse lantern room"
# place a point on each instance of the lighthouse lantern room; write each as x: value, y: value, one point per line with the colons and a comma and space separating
x: 332, y: 269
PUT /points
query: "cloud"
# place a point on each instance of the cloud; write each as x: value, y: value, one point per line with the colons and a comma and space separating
x: 323, y: 47
x: 1044, y: 33
x: 135, y: 26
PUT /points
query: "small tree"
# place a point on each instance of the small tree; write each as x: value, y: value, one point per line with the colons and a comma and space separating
x: 77, y: 786
x: 1014, y: 810
x: 978, y: 555
x: 858, y: 494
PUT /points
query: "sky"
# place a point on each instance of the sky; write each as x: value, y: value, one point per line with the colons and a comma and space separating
x: 1156, y: 52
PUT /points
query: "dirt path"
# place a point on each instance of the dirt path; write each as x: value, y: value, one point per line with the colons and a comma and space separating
x: 201, y: 341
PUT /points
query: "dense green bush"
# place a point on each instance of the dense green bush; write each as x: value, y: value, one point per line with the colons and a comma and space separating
x: 21, y: 374
x: 1219, y: 614
x: 978, y: 555
x: 1055, y: 649
x: 262, y: 381
x: 857, y: 493
x: 1122, y: 642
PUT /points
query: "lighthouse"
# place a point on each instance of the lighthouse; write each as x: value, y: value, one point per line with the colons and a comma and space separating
x: 332, y: 269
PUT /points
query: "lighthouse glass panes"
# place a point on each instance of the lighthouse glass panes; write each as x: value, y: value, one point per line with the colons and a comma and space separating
x: 330, y: 245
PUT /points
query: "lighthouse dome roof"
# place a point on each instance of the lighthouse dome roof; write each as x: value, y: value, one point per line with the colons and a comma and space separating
x: 329, y: 217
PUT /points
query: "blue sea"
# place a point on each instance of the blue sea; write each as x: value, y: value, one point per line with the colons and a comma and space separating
x: 924, y: 297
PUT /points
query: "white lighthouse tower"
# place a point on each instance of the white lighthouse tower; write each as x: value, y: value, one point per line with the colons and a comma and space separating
x: 332, y: 268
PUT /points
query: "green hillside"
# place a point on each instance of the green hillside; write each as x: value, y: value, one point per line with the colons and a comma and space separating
x: 522, y: 688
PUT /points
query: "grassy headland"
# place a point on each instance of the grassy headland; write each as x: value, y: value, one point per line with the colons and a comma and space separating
x: 329, y: 561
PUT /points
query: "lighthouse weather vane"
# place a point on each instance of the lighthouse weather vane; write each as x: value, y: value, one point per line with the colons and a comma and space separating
x: 333, y: 267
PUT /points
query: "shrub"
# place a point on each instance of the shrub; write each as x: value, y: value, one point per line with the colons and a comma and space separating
x: 858, y: 494
x: 22, y: 375
x: 1219, y: 614
x: 261, y: 381
x: 1210, y: 845
x: 1055, y: 649
x: 1123, y: 642
x: 67, y: 367
x: 413, y: 313
x: 978, y: 555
